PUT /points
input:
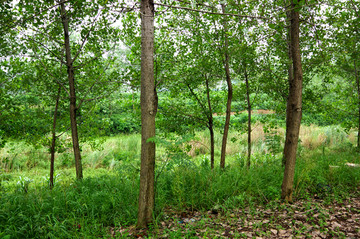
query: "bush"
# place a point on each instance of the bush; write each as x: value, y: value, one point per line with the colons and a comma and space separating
x: 124, y: 123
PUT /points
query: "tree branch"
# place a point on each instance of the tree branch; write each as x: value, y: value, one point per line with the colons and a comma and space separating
x: 43, y: 45
x: 213, y: 13
x: 355, y: 8
x: 50, y: 37
x: 3, y: 82
x: 86, y: 37
x: 33, y: 16
x: 92, y: 86
x: 87, y: 62
x: 55, y: 78
x: 198, y: 100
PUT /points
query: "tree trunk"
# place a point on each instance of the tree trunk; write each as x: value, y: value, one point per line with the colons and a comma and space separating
x: 249, y: 118
x: 294, y: 107
x: 73, y: 108
x: 290, y: 68
x: 210, y: 125
x: 53, y: 140
x: 358, y: 92
x: 148, y: 104
x: 229, y: 97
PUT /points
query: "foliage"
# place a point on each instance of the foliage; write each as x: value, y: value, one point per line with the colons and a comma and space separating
x: 107, y: 198
x: 189, y: 73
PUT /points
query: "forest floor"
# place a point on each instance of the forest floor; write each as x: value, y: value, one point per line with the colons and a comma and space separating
x: 312, y: 218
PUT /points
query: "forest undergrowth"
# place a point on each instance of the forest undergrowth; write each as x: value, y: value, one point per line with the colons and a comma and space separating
x: 191, y: 199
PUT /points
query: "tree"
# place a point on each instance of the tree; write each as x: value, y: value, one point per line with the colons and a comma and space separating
x: 149, y: 103
x: 53, y: 140
x: 246, y: 53
x: 294, y: 104
x: 7, y: 31
x: 73, y: 107
x: 71, y: 38
x: 229, y: 91
x: 345, y: 38
x: 192, y: 83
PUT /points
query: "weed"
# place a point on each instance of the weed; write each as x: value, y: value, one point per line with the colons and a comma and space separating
x: 23, y: 184
x: 107, y: 196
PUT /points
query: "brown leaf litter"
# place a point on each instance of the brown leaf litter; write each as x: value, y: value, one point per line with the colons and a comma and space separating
x: 303, y: 219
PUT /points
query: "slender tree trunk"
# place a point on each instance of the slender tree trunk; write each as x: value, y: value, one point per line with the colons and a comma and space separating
x: 358, y: 92
x: 53, y: 140
x: 133, y: 103
x: 294, y: 107
x: 290, y: 69
x: 249, y: 118
x: 71, y: 79
x: 148, y: 111
x: 212, y: 146
x: 211, y: 125
x: 229, y: 97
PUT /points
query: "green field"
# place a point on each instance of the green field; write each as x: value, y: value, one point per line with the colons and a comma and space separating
x: 106, y: 199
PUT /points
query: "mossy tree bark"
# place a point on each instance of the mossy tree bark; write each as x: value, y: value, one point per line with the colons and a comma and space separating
x: 148, y: 101
x: 294, y: 105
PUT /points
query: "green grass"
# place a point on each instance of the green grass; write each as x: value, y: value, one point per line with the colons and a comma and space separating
x: 107, y: 197
x: 71, y: 209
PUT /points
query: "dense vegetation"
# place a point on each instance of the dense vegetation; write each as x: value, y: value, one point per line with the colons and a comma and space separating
x: 107, y: 197
x: 76, y: 91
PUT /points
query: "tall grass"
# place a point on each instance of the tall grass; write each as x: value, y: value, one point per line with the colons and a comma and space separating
x: 112, y: 152
x: 107, y: 197
x: 71, y: 209
x: 107, y: 152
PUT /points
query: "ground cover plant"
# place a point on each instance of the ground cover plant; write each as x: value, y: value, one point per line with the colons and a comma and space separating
x: 192, y: 200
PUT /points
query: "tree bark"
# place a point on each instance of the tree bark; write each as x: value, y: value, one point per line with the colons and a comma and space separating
x: 294, y: 106
x: 71, y: 79
x: 53, y: 140
x: 148, y: 104
x: 358, y: 92
x: 249, y: 118
x: 290, y: 68
x: 210, y: 125
x: 229, y: 97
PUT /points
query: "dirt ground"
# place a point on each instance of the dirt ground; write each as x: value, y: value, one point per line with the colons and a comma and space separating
x: 304, y: 219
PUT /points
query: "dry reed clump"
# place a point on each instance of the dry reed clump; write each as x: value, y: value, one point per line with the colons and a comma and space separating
x: 308, y: 137
x: 352, y: 137
x: 194, y: 148
x: 313, y: 141
x: 257, y: 133
x: 313, y: 137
